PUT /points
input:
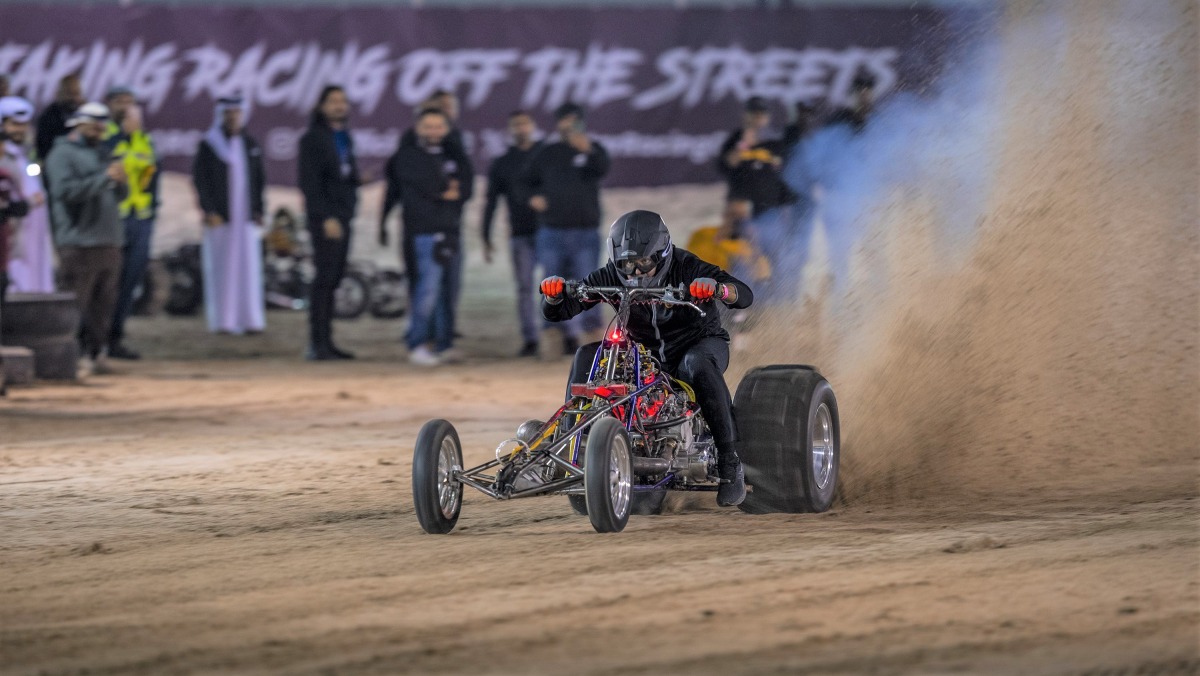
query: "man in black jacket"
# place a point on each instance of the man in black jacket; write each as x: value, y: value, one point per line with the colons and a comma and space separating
x: 694, y: 349
x: 563, y: 180
x: 504, y: 180
x: 753, y: 163
x: 329, y: 180
x: 52, y: 123
x: 233, y: 284
x: 435, y: 179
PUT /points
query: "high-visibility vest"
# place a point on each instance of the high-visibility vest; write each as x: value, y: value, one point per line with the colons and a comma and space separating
x: 136, y: 154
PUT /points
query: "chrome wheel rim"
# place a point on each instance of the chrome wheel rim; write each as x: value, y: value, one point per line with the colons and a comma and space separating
x: 822, y: 446
x: 620, y: 481
x: 449, y: 490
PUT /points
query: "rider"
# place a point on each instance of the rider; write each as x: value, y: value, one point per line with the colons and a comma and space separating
x: 693, y: 348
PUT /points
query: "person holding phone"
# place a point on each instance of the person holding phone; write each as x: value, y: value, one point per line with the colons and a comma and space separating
x: 563, y: 182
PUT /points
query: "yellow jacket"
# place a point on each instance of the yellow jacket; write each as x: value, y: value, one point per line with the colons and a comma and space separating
x: 136, y: 153
x: 724, y: 253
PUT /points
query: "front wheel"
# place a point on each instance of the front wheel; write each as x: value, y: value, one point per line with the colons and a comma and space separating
x: 608, y: 476
x: 437, y: 495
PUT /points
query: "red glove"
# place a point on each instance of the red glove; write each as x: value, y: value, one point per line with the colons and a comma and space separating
x: 703, y: 288
x: 552, y: 287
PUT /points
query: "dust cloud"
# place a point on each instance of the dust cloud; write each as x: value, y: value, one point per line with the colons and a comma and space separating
x: 1017, y: 309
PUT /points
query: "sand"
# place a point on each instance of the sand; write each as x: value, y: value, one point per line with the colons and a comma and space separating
x: 1022, y: 428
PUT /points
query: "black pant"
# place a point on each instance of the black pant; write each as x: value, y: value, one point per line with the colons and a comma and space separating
x: 702, y: 365
x: 92, y: 274
x: 329, y: 258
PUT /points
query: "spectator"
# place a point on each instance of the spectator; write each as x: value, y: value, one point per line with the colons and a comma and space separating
x: 31, y: 262
x: 230, y: 180
x: 11, y: 206
x: 753, y: 163
x: 446, y: 102
x: 435, y: 178
x: 52, y: 123
x: 727, y: 246
x: 563, y: 181
x: 86, y: 187
x: 132, y: 146
x: 329, y: 180
x: 862, y: 102
x: 5, y: 84
x: 504, y: 181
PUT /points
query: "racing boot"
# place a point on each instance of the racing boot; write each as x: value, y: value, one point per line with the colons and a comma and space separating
x: 732, y: 489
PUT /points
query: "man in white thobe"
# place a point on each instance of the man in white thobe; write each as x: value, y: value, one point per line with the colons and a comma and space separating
x: 229, y: 178
x: 31, y: 262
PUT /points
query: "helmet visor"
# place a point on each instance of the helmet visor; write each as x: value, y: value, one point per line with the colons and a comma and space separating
x: 638, y: 267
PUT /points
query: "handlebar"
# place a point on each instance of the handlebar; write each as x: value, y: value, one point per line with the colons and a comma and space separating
x: 665, y: 295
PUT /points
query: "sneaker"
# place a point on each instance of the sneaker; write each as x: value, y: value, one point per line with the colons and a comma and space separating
x: 423, y: 356
x: 101, y: 366
x: 119, y: 351
x: 732, y: 490
x: 84, y: 368
x: 452, y: 355
x: 529, y: 349
x: 570, y: 345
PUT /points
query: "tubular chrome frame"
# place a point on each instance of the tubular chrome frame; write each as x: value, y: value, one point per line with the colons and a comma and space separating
x: 587, y: 411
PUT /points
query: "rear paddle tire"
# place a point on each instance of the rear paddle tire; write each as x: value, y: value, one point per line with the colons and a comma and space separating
x: 608, y: 476
x: 790, y: 439
x: 437, y: 495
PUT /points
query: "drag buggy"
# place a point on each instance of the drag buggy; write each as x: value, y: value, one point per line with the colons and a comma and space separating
x: 632, y: 432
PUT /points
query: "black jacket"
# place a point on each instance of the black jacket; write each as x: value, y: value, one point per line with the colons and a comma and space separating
x: 504, y: 178
x: 391, y: 196
x: 570, y: 182
x: 210, y: 175
x: 666, y: 332
x: 758, y: 175
x: 421, y: 177
x: 51, y: 124
x: 328, y: 192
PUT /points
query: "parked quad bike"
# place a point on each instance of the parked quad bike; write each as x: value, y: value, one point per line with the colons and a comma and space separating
x: 632, y: 432
x: 287, y: 281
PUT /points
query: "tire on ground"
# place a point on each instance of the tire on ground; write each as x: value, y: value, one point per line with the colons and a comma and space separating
x: 608, y: 450
x: 436, y: 509
x: 389, y: 295
x: 778, y: 410
x: 47, y: 324
x: 353, y: 296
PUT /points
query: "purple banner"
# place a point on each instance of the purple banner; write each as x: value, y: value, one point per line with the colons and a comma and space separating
x: 662, y: 86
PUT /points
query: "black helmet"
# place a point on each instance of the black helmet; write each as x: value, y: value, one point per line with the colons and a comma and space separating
x: 639, y: 246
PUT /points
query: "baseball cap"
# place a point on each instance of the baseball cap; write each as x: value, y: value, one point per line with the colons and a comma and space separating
x: 89, y: 112
x: 16, y: 108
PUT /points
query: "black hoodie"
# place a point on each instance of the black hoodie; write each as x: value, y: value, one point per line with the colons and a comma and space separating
x: 570, y: 182
x: 421, y: 175
x: 666, y: 331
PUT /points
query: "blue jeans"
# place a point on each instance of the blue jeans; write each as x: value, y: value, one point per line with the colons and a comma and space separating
x: 136, y: 257
x: 435, y: 294
x: 570, y: 254
x: 524, y: 260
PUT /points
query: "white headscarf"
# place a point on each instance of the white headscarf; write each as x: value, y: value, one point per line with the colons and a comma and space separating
x: 216, y: 133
